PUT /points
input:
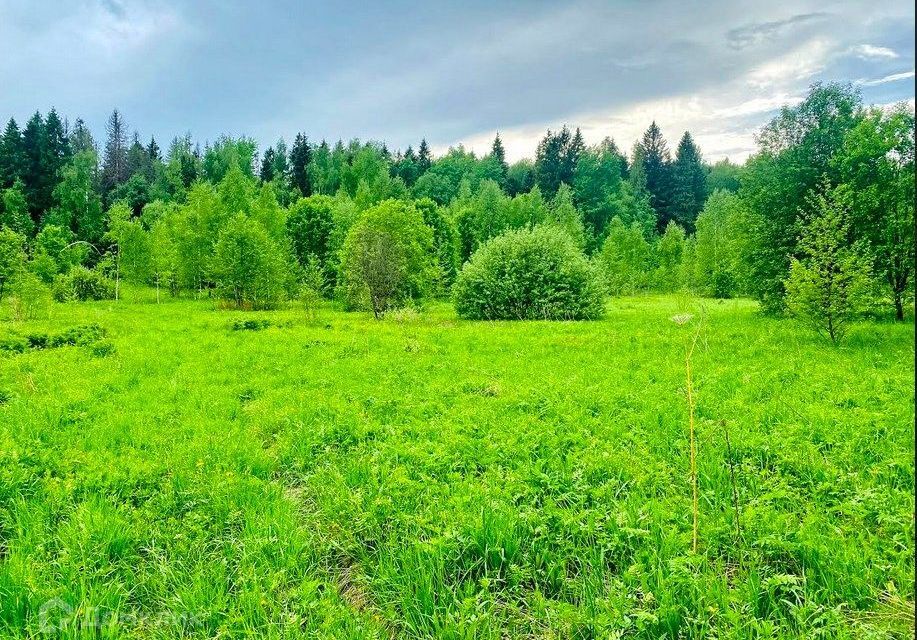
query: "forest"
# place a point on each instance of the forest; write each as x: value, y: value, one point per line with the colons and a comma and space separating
x: 339, y: 390
x: 830, y: 191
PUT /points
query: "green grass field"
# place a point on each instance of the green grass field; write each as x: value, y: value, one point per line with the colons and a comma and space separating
x: 422, y: 476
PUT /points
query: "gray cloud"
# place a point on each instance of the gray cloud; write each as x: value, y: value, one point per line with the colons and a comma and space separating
x: 755, y: 33
x: 452, y: 72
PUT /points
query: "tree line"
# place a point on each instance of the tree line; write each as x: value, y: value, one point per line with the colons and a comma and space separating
x: 258, y: 228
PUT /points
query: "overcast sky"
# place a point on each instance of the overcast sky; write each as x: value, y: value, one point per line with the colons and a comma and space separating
x: 453, y: 72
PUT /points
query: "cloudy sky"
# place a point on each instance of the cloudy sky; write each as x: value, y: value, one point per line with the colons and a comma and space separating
x: 454, y: 72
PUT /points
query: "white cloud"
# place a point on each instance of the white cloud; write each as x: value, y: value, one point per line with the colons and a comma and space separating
x: 895, y: 77
x: 798, y: 65
x: 870, y: 52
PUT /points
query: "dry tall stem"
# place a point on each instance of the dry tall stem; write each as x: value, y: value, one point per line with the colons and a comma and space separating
x: 690, y: 389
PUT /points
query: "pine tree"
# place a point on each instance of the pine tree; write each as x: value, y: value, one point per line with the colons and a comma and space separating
x: 689, y: 182
x: 12, y: 158
x: 114, y: 164
x: 300, y: 156
x: 657, y: 167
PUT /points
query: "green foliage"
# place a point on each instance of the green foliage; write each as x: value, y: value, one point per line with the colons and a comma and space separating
x: 388, y: 258
x: 14, y: 210
x: 226, y: 154
x: 689, y: 183
x: 32, y: 297
x: 724, y: 175
x: 310, y: 224
x: 625, y: 258
x: 132, y: 244
x: 520, y: 177
x: 135, y: 193
x: 79, y: 207
x: 717, y: 261
x: 877, y: 166
x: 564, y: 215
x: 54, y: 252
x: 556, y: 159
x: 797, y: 151
x: 81, y: 284
x: 248, y: 267
x: 828, y: 285
x: 656, y: 175
x: 527, y: 275
x: 670, y: 249
x: 445, y: 240
x: 12, y: 257
x: 442, y: 181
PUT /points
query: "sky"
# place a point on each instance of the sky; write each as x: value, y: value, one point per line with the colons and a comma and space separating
x: 452, y: 72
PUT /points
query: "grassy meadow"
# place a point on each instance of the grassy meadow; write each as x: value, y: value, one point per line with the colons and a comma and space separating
x: 208, y: 473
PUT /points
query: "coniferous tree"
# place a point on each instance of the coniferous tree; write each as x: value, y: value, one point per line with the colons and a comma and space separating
x: 424, y: 158
x: 138, y: 160
x: 267, y: 165
x: 152, y: 150
x: 33, y: 175
x: 81, y: 138
x: 114, y: 164
x: 657, y: 170
x: 689, y: 183
x: 12, y: 155
x: 57, y: 149
x: 556, y: 158
x: 300, y: 156
x: 498, y: 153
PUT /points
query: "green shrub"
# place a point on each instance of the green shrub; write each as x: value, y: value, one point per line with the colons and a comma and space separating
x: 81, y: 284
x: 13, y: 343
x: 32, y: 297
x: 625, y: 258
x: 250, y: 325
x: 250, y: 267
x: 78, y: 336
x: 387, y: 259
x: 37, y: 340
x: 102, y: 348
x: 527, y: 275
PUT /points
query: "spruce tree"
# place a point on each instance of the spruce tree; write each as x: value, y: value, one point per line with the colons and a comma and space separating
x: 424, y: 158
x: 114, y: 164
x: 300, y: 156
x: 657, y: 168
x: 81, y: 139
x: 33, y: 175
x: 152, y: 150
x: 556, y: 159
x: 689, y: 183
x: 12, y: 158
x: 499, y: 154
x: 267, y: 165
x: 57, y: 149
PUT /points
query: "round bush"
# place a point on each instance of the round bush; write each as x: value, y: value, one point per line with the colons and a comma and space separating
x: 536, y: 274
x: 82, y: 284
